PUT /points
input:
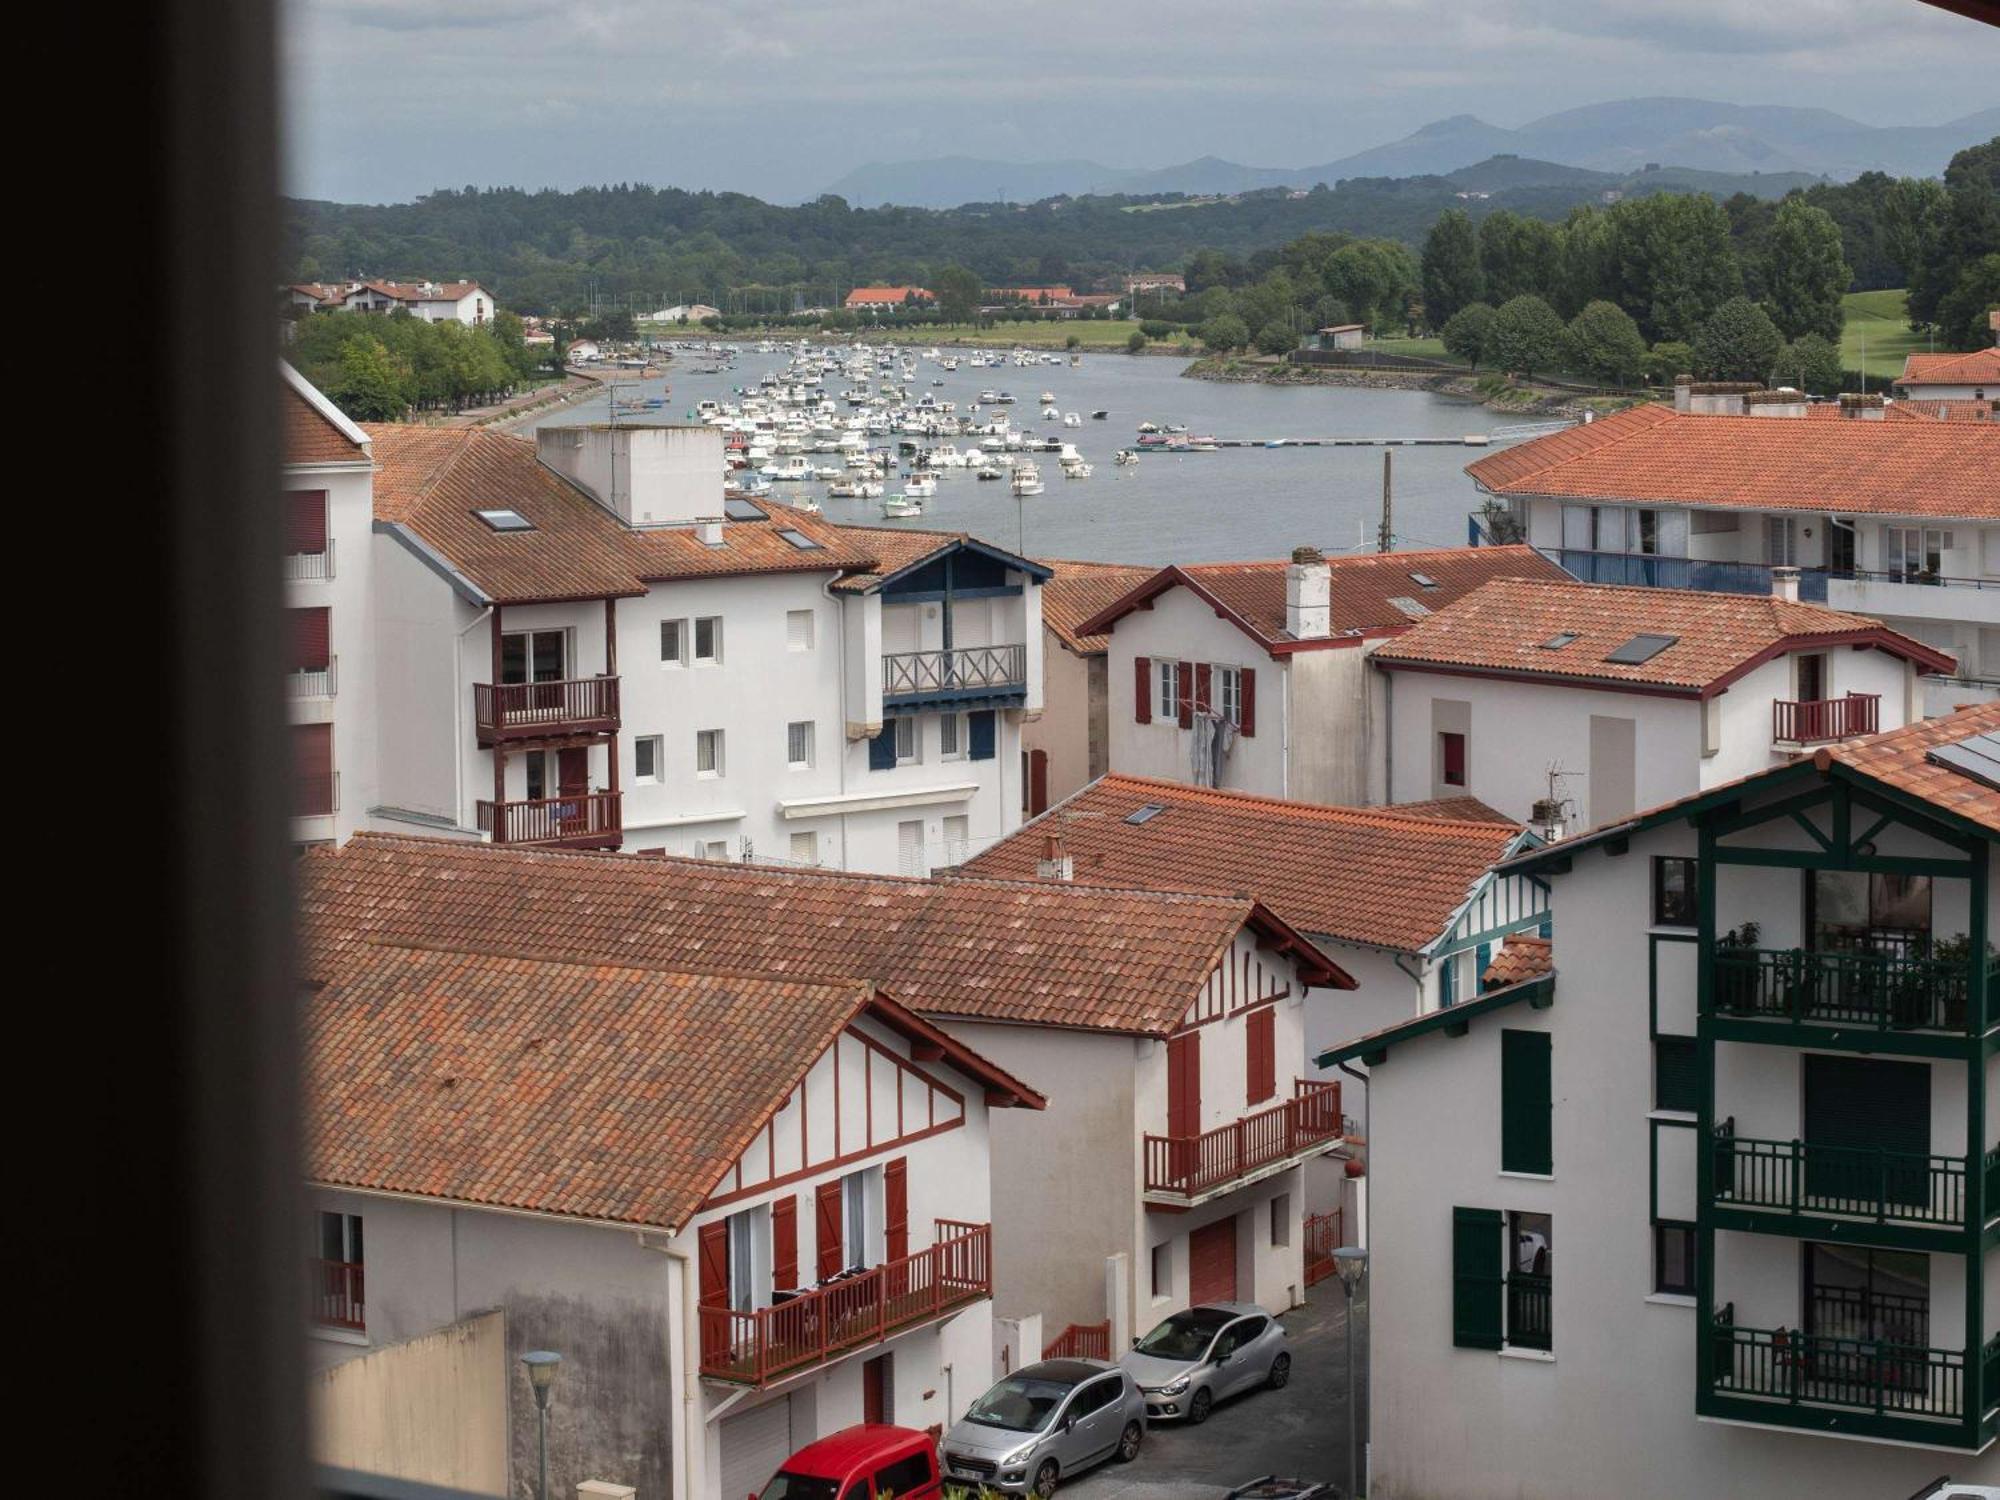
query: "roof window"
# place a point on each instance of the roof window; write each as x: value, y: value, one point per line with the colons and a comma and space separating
x: 1559, y: 640
x: 505, y: 520
x: 801, y: 541
x: 1144, y: 814
x: 1641, y: 649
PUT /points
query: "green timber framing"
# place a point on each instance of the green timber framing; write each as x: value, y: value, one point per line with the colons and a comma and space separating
x: 1859, y: 807
x: 1452, y: 1020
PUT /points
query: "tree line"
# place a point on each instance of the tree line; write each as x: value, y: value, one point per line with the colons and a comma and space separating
x: 381, y: 368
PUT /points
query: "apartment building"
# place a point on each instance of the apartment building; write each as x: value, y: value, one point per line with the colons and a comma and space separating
x: 1974, y: 376
x: 1069, y: 746
x: 1573, y: 704
x: 748, y: 1210
x: 1885, y: 512
x: 1717, y: 1198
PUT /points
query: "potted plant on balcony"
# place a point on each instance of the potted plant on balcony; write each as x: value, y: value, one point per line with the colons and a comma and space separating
x: 1949, y: 976
x: 1736, y: 969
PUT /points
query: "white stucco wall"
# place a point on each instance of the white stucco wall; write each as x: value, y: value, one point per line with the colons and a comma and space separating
x: 352, y: 642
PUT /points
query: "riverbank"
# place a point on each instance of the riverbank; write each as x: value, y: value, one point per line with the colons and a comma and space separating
x: 1489, y: 391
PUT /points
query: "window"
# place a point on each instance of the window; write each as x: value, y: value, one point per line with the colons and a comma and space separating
x: 650, y: 757
x: 743, y: 1259
x: 1641, y: 649
x: 1676, y: 1082
x: 674, y: 643
x: 716, y: 849
x: 799, y: 744
x: 854, y: 1218
x: 951, y: 736
x: 1530, y: 1281
x: 708, y: 640
x: 1169, y: 693
x: 957, y: 839
x: 1096, y: 1396
x: 533, y: 656
x: 799, y: 629
x: 337, y: 1278
x: 1163, y: 1269
x: 906, y: 1476
x: 535, y: 767
x: 909, y: 747
x: 505, y: 520
x: 1476, y: 1278
x: 1675, y: 891
x: 1673, y: 1258
x: 1525, y: 1103
x: 708, y: 752
x: 805, y: 849
x: 1910, y: 551
x: 1281, y: 1219
x: 1451, y: 758
x: 1229, y: 693
x: 1238, y: 1334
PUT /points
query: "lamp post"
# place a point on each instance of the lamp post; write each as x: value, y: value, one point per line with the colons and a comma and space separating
x: 1352, y: 1263
x: 542, y: 1365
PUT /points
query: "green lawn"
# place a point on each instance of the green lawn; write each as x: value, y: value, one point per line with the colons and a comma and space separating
x: 1431, y: 348
x: 1053, y: 333
x: 1875, y: 321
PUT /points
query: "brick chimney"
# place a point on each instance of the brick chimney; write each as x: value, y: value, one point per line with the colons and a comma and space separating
x: 1785, y: 583
x: 1055, y: 863
x: 1859, y: 408
x: 1308, y: 595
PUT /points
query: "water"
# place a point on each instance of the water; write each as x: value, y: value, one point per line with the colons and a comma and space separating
x: 1224, y: 506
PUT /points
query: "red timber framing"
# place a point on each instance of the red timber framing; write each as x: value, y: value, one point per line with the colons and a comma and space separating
x: 1243, y: 980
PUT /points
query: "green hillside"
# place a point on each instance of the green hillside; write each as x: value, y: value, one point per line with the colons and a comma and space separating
x: 1876, y: 335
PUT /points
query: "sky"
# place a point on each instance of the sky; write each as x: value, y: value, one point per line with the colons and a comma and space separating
x: 389, y: 99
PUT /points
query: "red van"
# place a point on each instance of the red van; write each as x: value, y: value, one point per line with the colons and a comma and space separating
x: 870, y: 1462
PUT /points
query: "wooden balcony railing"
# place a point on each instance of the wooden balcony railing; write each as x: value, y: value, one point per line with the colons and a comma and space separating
x: 337, y: 1300
x: 1802, y: 1369
x: 1797, y: 1177
x: 587, y: 820
x: 536, y: 710
x: 1322, y: 1239
x: 1818, y: 721
x: 1849, y: 989
x: 1081, y: 1341
x: 1189, y: 1166
x: 965, y: 671
x: 754, y: 1348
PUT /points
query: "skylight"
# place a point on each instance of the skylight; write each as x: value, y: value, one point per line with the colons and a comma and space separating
x: 1145, y: 814
x: 1423, y: 580
x: 1559, y: 640
x: 1641, y: 649
x: 800, y: 540
x: 1977, y: 756
x: 505, y: 520
x: 1410, y: 607
x: 736, y: 508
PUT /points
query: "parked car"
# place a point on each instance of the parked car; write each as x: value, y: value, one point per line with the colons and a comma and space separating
x: 862, y: 1462
x: 1044, y: 1424
x: 1205, y: 1354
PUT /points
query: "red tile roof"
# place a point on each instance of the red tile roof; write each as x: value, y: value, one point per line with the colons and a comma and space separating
x: 1364, y: 590
x: 1949, y: 411
x: 1520, y: 957
x: 1037, y: 952
x: 309, y: 437
x: 1378, y: 875
x: 1503, y: 627
x: 1901, y: 759
x: 1080, y: 590
x: 1653, y: 455
x: 883, y: 296
x: 1979, y: 367
x: 894, y: 549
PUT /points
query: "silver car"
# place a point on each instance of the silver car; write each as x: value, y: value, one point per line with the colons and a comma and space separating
x: 1199, y: 1357
x: 1043, y: 1424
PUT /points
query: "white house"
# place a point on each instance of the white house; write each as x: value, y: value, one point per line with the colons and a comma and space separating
x: 1254, y: 676
x: 1714, y: 1209
x: 464, y: 302
x: 1885, y: 512
x: 1952, y: 377
x: 747, y: 1210
x: 1608, y: 699
x: 1069, y: 746
x: 685, y: 312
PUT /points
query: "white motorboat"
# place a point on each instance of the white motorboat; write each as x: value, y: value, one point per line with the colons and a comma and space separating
x: 901, y: 507
x: 807, y: 504
x: 1047, y: 398
x: 792, y: 469
x: 1051, y: 414
x: 920, y: 486
x: 1071, y: 419
x: 1126, y: 456
x: 989, y: 471
x: 1027, y: 480
x: 1075, y: 468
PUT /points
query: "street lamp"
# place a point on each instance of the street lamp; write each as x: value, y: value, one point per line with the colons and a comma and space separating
x: 1351, y: 1261
x: 542, y: 1365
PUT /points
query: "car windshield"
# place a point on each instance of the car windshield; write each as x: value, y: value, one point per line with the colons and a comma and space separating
x: 1018, y: 1404
x: 1183, y: 1336
x: 787, y: 1486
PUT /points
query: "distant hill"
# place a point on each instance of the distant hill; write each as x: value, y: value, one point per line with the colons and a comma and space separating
x: 1619, y: 138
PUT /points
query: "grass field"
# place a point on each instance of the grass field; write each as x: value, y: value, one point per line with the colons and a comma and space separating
x: 1875, y: 321
x: 1099, y: 334
x: 1431, y: 348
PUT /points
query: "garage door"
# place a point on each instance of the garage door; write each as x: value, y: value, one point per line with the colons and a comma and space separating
x: 1212, y: 1262
x: 754, y: 1445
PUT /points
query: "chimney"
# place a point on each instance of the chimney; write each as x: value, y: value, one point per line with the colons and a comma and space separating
x: 708, y: 530
x: 1783, y: 402
x: 654, y: 475
x: 1785, y: 583
x: 1547, y: 819
x: 1055, y: 863
x: 1683, y: 394
x: 1858, y: 408
x: 1717, y: 398
x: 1308, y: 595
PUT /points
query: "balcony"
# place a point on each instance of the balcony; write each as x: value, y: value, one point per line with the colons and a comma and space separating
x: 965, y: 676
x: 1182, y: 1171
x: 1718, y: 576
x: 1878, y: 992
x: 586, y: 820
x: 544, y: 710
x: 310, y: 567
x: 337, y: 1300
x: 1791, y: 1180
x: 755, y: 1348
x: 320, y: 682
x: 1820, y: 721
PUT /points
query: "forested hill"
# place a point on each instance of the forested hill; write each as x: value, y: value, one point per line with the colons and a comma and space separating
x: 637, y: 247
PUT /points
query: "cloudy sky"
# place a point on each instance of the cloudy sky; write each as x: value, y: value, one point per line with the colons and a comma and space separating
x: 391, y: 98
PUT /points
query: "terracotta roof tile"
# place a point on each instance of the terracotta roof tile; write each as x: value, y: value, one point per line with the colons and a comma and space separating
x: 1377, y: 875
x: 1901, y: 758
x: 1520, y: 957
x: 309, y: 437
x: 1082, y: 589
x: 1974, y: 368
x: 1513, y: 625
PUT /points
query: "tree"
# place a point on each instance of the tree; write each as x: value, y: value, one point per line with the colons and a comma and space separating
x: 369, y: 388
x: 1737, y: 342
x: 1224, y: 333
x: 1805, y: 274
x: 1675, y: 265
x: 1813, y: 364
x: 1451, y: 276
x: 1277, y: 337
x: 1155, y: 328
x: 1466, y: 331
x: 1136, y: 344
x: 1604, y: 342
x: 1667, y: 360
x: 1517, y: 255
x: 1968, y: 229
x: 958, y: 294
x: 1525, y: 335
x: 1073, y: 342
x: 1961, y: 313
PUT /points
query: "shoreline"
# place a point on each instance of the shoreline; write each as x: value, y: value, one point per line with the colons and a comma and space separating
x: 1528, y: 400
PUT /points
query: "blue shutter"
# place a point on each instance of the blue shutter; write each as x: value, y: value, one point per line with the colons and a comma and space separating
x: 882, y: 749
x: 1447, y: 992
x: 982, y: 734
x: 1479, y: 977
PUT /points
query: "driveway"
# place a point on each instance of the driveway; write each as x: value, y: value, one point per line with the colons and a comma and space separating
x: 1300, y: 1430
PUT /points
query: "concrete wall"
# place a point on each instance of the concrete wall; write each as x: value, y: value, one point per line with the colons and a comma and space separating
x: 1073, y: 728
x: 433, y: 1409
x: 352, y: 643
x: 1333, y: 717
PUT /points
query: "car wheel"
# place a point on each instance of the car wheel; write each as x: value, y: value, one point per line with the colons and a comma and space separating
x: 1045, y: 1478
x: 1281, y: 1372
x: 1198, y: 1408
x: 1128, y: 1442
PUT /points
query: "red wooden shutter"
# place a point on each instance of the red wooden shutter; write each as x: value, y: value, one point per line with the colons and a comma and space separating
x: 1454, y: 758
x: 1142, y: 690
x: 785, y: 1244
x: 1184, y: 694
x: 1184, y: 1084
x: 826, y: 1229
x: 312, y: 765
x: 1247, y: 708
x: 1038, y: 782
x: 1202, y: 700
x: 714, y: 1256
x: 896, y: 1208
x: 312, y: 636
x: 1260, y: 1053
x: 305, y: 525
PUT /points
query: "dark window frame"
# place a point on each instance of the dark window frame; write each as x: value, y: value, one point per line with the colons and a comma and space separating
x: 1692, y: 895
x: 1662, y: 1228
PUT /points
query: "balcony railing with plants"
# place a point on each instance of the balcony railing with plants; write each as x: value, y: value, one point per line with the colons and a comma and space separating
x: 337, y: 1300
x: 1798, y: 1177
x: 1187, y: 1166
x: 963, y: 671
x: 754, y: 1348
x: 1819, y: 721
x: 534, y: 710
x: 1912, y: 991
x: 1784, y: 1365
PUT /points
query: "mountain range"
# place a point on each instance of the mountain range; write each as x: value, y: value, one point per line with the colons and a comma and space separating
x: 1618, y: 138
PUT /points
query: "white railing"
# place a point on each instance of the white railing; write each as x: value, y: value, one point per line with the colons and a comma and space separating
x: 309, y: 567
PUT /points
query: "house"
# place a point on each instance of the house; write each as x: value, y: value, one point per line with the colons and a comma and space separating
x: 1164, y: 1024
x: 1341, y: 336
x: 1155, y: 283
x: 1262, y: 667
x: 1973, y: 376
x: 1717, y: 1197
x: 886, y: 298
x: 1532, y: 694
x: 685, y: 312
x: 315, y: 296
x: 747, y: 1208
x: 464, y: 302
x: 1070, y: 744
x: 1038, y: 296
x: 1898, y: 520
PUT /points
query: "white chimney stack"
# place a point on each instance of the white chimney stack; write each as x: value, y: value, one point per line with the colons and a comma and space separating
x: 651, y: 475
x: 708, y: 530
x: 1055, y: 863
x: 1785, y: 583
x: 1308, y: 595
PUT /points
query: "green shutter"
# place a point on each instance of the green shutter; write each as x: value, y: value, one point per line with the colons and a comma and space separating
x: 1479, y: 975
x: 1447, y: 991
x: 1674, y: 1073
x: 1476, y: 1243
x: 1525, y: 1102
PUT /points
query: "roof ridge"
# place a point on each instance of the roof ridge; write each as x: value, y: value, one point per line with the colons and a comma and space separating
x: 1331, y: 811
